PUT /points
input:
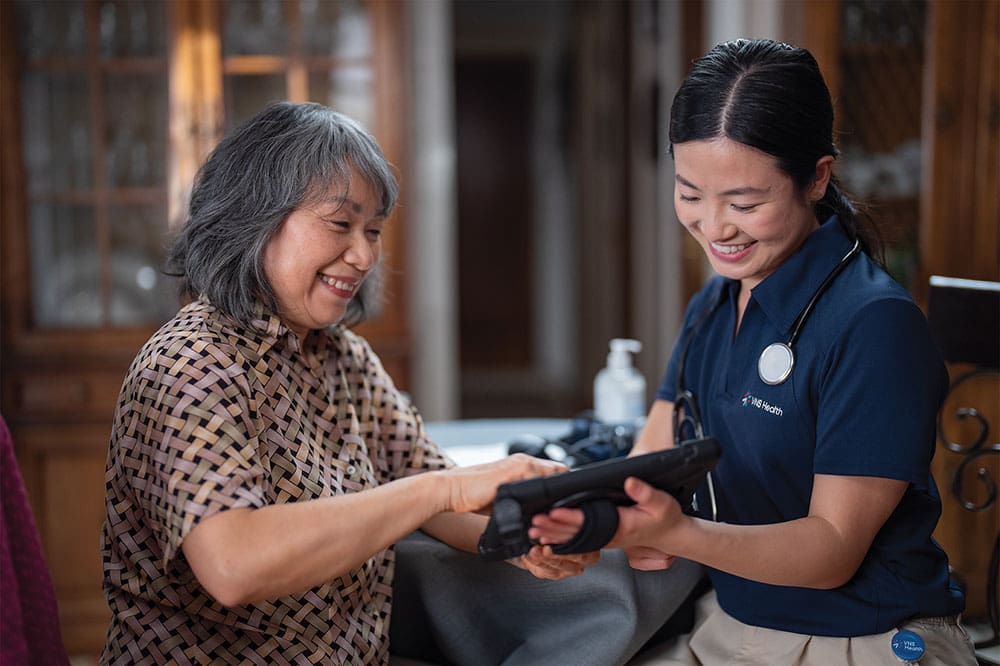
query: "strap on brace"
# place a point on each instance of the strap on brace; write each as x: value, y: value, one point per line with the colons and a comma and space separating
x: 600, y: 522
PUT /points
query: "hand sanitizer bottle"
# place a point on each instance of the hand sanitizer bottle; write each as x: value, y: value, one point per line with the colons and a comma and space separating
x: 619, y: 388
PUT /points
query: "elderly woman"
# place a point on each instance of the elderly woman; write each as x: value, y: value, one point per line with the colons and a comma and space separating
x: 262, y: 463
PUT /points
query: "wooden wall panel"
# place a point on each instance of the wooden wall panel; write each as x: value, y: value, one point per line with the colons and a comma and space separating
x: 960, y: 224
x: 63, y: 470
x: 388, y: 333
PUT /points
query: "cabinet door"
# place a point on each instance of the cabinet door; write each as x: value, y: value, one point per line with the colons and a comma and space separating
x: 93, y: 119
x: 109, y: 108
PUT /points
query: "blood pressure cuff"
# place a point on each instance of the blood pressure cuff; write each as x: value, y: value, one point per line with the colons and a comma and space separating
x: 598, y: 491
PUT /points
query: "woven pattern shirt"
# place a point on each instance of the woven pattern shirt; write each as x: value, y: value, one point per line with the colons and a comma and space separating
x: 214, y: 416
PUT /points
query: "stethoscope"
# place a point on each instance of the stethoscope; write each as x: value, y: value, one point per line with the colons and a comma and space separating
x: 773, y: 367
x: 777, y: 360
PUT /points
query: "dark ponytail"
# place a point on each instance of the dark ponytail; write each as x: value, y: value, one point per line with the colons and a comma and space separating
x: 855, y: 220
x: 770, y: 96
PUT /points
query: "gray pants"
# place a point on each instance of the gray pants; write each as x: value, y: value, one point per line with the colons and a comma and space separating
x: 452, y: 607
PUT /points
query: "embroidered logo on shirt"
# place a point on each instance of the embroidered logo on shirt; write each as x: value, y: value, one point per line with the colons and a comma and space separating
x: 750, y: 400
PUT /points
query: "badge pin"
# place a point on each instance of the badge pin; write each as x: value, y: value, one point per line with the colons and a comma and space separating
x: 908, y: 646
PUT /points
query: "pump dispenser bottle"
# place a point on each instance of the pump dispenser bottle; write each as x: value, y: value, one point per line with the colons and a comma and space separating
x: 619, y: 388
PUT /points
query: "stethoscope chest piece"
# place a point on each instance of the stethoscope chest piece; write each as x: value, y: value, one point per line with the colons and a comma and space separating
x: 775, y: 363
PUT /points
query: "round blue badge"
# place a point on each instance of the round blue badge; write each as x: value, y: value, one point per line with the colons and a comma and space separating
x: 908, y: 646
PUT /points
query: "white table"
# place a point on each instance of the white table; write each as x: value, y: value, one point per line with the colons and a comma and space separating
x: 473, y: 441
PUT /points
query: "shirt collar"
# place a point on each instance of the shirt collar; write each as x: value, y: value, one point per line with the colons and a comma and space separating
x: 267, y: 324
x: 784, y: 293
x: 273, y: 330
x: 264, y: 332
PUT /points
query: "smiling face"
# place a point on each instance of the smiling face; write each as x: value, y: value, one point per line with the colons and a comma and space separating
x: 743, y: 210
x: 321, y: 254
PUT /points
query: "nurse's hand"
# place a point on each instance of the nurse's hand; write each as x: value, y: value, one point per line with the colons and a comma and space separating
x: 560, y: 525
x: 644, y: 528
x: 543, y: 563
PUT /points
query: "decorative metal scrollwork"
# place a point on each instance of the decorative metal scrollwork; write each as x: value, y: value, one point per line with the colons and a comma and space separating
x: 970, y: 454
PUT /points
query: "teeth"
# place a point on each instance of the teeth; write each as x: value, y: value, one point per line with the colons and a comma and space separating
x: 729, y: 249
x: 337, y: 284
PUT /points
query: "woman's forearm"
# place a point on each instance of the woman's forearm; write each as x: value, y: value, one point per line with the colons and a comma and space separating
x: 458, y: 530
x: 821, y: 550
x: 658, y: 432
x: 245, y: 555
x: 806, y: 552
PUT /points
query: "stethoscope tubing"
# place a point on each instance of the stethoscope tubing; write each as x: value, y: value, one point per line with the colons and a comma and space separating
x: 827, y: 281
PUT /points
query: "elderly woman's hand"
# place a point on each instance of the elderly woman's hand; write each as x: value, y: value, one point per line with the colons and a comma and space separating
x: 543, y: 563
x: 473, y: 488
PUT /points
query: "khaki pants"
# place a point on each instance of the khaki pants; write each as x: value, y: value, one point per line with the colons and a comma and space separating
x: 720, y: 640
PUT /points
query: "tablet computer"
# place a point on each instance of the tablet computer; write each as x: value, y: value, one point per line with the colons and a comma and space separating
x: 597, y: 489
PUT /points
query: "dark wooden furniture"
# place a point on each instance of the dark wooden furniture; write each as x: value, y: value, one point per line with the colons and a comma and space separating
x: 965, y: 319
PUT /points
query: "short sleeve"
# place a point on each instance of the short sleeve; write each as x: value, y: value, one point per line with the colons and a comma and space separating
x: 196, y: 445
x: 879, y: 396
x: 668, y: 387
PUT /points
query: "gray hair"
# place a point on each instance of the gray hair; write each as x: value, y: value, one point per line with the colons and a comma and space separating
x: 282, y: 159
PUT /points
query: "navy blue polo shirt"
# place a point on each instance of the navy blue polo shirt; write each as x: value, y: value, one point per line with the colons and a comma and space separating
x: 861, y: 400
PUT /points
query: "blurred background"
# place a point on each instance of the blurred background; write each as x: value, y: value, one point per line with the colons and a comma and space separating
x: 536, y: 217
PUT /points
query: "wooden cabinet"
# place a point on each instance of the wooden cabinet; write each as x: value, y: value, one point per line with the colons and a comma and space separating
x: 108, y: 109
